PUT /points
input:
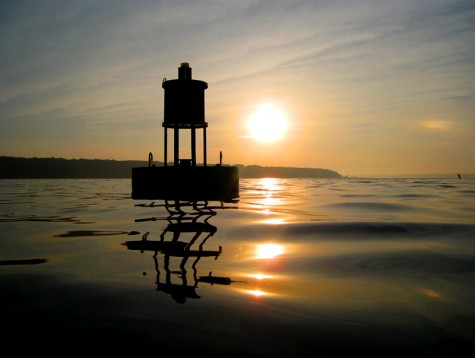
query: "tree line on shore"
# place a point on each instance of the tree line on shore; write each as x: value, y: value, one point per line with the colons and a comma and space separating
x: 59, y: 168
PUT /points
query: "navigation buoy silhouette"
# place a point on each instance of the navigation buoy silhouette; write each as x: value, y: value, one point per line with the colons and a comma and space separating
x: 185, y: 178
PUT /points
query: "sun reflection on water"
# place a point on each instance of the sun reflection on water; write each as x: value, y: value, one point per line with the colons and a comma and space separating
x: 270, y: 201
x: 257, y: 293
x: 271, y: 184
x: 260, y: 276
x: 274, y: 221
x: 261, y: 284
x: 269, y: 251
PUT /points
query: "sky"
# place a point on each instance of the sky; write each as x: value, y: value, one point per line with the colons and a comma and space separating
x: 381, y: 87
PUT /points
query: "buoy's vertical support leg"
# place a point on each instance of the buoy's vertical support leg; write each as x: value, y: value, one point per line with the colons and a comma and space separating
x: 165, y: 146
x: 204, y: 146
x: 176, y: 145
x: 193, y: 146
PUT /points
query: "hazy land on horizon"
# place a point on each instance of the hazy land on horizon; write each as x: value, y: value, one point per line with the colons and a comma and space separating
x: 17, y: 167
x: 21, y: 167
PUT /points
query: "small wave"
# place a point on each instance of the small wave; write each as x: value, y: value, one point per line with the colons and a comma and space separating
x: 82, y: 233
x: 367, y: 230
x: 357, y: 196
x: 54, y: 218
x: 372, y: 206
x: 23, y: 262
x: 394, y: 263
x: 414, y: 196
x: 361, y: 230
x: 469, y: 192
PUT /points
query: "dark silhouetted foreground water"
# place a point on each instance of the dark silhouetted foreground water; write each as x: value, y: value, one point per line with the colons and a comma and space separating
x: 294, y: 268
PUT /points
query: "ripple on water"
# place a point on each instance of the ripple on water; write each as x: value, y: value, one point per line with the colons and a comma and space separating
x: 372, y: 206
x: 358, y: 231
x: 84, y: 233
x: 13, y: 217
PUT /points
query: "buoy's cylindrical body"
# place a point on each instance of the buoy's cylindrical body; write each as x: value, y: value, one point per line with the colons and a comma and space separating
x: 184, y: 100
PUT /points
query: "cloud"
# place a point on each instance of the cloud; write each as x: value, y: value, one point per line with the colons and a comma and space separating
x: 436, y: 125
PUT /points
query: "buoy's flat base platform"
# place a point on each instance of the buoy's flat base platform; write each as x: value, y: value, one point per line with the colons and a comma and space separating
x: 193, y: 183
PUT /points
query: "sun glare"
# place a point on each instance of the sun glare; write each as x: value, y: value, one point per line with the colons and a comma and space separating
x: 268, y: 124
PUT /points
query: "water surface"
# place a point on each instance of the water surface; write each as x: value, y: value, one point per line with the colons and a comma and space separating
x: 295, y: 266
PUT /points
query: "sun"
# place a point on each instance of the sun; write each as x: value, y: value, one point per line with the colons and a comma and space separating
x: 267, y: 124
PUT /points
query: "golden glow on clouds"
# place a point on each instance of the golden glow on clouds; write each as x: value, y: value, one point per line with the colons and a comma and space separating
x: 267, y: 124
x: 436, y: 124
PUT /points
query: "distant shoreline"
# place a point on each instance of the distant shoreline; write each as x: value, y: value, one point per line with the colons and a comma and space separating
x: 418, y: 176
x: 59, y: 168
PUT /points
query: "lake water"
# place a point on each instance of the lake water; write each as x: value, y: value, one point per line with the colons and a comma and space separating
x: 294, y: 267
